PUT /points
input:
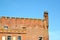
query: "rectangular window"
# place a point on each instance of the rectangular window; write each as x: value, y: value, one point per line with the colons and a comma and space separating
x: 9, y: 38
x: 6, y: 27
x: 19, y: 37
x: 3, y: 37
x: 40, y: 38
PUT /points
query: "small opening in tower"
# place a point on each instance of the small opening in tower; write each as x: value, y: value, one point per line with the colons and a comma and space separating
x: 40, y: 38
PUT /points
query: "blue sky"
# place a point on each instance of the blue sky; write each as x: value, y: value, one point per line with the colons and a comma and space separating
x: 34, y: 9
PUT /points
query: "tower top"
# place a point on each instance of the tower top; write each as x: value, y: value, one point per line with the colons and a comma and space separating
x: 45, y: 12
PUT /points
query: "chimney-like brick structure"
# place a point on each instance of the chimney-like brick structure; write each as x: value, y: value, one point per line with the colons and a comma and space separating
x: 27, y: 28
x: 46, y: 19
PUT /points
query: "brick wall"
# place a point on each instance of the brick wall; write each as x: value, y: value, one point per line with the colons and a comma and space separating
x: 35, y: 28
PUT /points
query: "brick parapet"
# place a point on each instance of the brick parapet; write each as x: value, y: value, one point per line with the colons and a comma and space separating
x: 18, y: 22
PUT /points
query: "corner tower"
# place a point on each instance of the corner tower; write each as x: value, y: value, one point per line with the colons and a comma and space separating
x: 46, y: 20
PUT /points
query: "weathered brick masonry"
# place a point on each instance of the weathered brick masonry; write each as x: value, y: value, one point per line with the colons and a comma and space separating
x: 24, y: 28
